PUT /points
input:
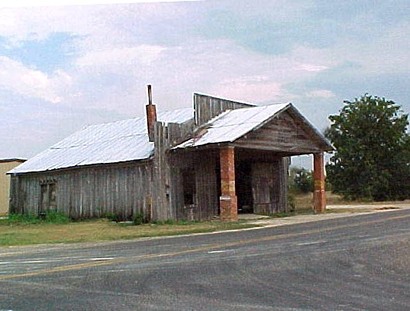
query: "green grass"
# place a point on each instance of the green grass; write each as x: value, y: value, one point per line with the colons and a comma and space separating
x: 49, y: 217
x: 28, y: 231
x: 57, y: 228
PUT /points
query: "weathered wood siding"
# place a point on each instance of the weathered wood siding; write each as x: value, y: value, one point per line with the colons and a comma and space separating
x: 207, y: 205
x: 282, y: 134
x: 87, y: 192
x: 202, y: 165
x: 180, y: 162
x: 168, y: 192
x: 269, y: 186
x: 208, y: 107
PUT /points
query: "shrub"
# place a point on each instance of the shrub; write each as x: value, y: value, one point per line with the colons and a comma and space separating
x: 23, y: 218
x: 56, y: 217
x: 138, y: 219
x: 48, y: 217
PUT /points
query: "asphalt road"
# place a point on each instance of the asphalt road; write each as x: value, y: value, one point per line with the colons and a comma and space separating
x: 352, y: 263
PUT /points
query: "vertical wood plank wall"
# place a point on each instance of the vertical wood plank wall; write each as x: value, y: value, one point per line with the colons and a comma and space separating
x: 208, y: 107
x: 167, y: 192
x: 269, y: 186
x: 89, y: 192
x: 206, y: 186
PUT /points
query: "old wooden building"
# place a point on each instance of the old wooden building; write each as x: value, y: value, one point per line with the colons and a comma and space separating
x: 214, y: 159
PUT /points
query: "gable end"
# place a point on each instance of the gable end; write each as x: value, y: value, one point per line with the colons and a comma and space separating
x: 286, y: 134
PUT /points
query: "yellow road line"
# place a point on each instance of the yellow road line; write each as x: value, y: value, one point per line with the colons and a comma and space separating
x: 188, y: 251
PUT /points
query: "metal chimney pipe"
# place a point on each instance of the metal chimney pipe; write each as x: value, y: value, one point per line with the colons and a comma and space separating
x: 149, y: 94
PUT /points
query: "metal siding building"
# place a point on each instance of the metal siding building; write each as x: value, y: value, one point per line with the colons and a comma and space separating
x: 5, y: 166
x: 214, y: 160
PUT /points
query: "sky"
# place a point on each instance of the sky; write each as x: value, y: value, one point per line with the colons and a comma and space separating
x: 63, y: 67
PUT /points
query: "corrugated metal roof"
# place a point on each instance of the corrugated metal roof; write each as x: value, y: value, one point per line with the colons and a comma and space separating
x: 114, y: 142
x: 176, y: 116
x: 233, y: 124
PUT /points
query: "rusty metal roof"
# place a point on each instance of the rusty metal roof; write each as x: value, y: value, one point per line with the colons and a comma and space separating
x: 114, y: 142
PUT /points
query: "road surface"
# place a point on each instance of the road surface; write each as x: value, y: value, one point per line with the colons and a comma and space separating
x: 352, y: 263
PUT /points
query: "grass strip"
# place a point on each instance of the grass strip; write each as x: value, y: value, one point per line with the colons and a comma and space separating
x: 20, y: 233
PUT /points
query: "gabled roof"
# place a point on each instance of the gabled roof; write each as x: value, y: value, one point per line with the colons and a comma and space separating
x: 234, y: 124
x: 127, y: 140
x: 114, y: 142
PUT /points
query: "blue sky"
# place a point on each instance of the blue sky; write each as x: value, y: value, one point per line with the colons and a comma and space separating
x: 64, y: 67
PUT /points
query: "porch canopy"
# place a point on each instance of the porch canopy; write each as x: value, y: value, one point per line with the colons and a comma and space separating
x: 280, y: 129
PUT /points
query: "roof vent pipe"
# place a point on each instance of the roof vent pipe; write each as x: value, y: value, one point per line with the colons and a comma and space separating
x: 151, y: 115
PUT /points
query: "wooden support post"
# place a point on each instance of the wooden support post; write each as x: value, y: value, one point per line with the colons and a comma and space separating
x: 319, y: 195
x: 228, y: 200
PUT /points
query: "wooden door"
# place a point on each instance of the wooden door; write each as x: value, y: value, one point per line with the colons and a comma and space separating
x: 263, y: 187
x: 48, y: 198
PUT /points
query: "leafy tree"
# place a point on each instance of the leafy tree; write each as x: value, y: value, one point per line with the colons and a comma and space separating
x: 301, y: 180
x: 372, y: 158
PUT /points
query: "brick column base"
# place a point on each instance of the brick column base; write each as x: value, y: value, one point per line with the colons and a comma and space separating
x: 229, y: 208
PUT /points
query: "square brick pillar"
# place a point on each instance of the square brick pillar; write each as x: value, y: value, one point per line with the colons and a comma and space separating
x: 228, y: 201
x: 319, y: 195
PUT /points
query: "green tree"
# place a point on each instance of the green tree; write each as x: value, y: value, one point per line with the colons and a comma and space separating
x: 372, y: 157
x: 301, y: 180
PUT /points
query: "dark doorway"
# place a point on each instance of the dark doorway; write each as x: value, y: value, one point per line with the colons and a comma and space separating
x: 243, y: 185
x: 188, y: 184
x: 48, y: 199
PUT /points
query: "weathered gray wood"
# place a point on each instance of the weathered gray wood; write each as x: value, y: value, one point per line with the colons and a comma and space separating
x: 269, y: 186
x: 208, y: 107
x: 262, y: 190
x: 282, y: 134
x: 155, y: 187
x: 206, y: 186
x: 164, y: 192
x: 89, y: 191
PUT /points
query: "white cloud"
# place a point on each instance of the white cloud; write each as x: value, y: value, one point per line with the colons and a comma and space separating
x: 320, y: 94
x: 311, y: 67
x: 114, y: 59
x: 385, y: 54
x: 117, y: 50
x: 97, y: 26
x: 254, y: 92
x: 34, y: 3
x: 143, y: 54
x: 16, y: 77
x: 207, y: 66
